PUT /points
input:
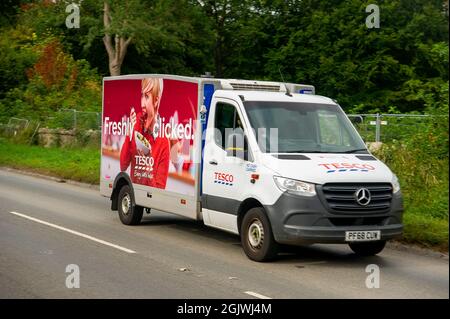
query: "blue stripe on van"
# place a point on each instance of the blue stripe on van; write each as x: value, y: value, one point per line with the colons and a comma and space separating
x: 208, y: 91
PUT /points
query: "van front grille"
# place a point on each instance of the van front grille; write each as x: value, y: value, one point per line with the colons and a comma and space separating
x: 341, y: 197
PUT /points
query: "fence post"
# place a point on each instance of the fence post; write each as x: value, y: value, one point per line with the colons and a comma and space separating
x: 34, y: 133
x: 378, y: 128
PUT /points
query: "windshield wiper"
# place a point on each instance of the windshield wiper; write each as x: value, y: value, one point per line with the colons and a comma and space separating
x: 356, y: 150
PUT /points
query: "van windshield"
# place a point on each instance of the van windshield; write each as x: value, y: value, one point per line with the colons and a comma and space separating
x: 289, y: 127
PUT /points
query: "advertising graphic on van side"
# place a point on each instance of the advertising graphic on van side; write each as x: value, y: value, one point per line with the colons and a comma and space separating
x: 149, y: 134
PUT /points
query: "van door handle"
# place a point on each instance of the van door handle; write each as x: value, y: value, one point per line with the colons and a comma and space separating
x: 213, y: 162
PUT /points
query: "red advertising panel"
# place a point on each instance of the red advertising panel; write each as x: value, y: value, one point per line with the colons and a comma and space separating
x: 148, y: 131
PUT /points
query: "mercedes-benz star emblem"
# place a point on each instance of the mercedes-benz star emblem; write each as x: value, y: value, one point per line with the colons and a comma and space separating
x: 362, y: 196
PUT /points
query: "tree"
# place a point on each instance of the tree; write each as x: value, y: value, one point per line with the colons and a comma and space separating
x: 163, y: 32
x: 326, y: 43
x: 223, y: 14
x: 156, y: 28
x: 122, y: 38
x: 402, y: 65
x: 124, y: 22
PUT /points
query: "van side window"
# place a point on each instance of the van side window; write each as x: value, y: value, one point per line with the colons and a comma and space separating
x: 227, y: 121
x: 225, y: 117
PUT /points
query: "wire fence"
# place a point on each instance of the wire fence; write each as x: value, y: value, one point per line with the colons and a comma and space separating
x: 388, y: 127
x: 371, y: 127
x: 14, y: 126
x: 71, y: 119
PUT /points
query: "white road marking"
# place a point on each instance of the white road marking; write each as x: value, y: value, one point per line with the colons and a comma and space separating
x: 75, y: 233
x: 257, y: 295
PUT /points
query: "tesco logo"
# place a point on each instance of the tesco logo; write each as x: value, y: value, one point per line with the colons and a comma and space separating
x: 347, y: 165
x: 144, y: 160
x: 223, y: 177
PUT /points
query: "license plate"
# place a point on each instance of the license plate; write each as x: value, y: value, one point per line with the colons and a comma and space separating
x: 368, y: 235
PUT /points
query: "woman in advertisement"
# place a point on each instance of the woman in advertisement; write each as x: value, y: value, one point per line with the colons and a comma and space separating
x: 144, y: 148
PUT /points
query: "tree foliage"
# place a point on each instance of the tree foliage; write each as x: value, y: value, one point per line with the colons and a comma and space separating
x: 400, y: 67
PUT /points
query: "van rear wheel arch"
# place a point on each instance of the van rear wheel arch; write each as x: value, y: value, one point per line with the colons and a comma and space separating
x: 129, y: 212
x: 121, y: 180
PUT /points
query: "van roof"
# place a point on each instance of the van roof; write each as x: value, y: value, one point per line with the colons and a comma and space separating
x: 274, y: 96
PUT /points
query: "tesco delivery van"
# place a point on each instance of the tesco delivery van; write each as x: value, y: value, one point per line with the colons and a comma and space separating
x: 271, y: 162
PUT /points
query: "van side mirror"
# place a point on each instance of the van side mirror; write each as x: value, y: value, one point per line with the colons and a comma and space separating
x: 356, y: 119
x: 237, y: 146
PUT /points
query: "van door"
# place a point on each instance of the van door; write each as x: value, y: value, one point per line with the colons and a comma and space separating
x: 224, y: 176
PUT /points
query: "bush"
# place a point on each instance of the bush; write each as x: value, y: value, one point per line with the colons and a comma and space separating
x: 54, y: 82
x: 421, y: 164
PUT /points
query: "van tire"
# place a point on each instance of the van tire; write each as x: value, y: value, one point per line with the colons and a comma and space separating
x: 368, y: 249
x: 129, y: 212
x: 261, y: 246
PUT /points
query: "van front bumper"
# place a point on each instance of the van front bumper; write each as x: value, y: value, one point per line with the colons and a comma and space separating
x: 300, y: 220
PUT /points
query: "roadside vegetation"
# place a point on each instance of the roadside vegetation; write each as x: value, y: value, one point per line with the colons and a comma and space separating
x: 48, y: 69
x: 422, y: 166
x: 78, y: 164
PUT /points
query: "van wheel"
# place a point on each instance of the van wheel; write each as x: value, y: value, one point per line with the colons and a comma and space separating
x: 129, y: 212
x: 368, y: 249
x: 256, y: 236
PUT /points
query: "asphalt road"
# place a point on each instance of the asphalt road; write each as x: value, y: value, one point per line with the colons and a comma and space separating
x: 46, y: 226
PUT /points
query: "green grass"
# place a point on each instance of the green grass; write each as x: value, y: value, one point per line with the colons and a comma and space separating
x: 425, y: 231
x: 78, y: 164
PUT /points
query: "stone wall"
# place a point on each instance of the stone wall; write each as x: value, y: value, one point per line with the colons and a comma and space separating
x: 64, y: 138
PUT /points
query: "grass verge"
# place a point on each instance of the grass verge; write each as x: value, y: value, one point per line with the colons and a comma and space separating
x: 82, y: 165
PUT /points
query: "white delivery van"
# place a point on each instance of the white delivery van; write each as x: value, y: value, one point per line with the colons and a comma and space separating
x: 271, y: 162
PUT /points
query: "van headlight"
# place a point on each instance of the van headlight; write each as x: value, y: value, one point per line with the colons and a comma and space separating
x: 294, y: 187
x: 395, y: 184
